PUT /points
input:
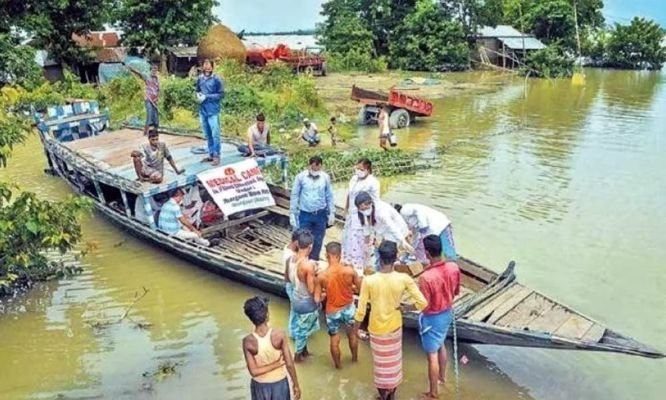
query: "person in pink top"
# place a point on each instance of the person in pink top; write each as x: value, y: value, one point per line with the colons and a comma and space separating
x: 439, y: 283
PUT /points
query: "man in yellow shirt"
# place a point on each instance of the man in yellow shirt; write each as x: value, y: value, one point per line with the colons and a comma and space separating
x: 384, y: 291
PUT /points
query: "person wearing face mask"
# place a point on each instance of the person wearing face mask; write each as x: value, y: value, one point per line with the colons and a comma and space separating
x: 379, y: 222
x: 424, y: 221
x: 312, y: 207
x: 354, y: 250
x: 210, y: 93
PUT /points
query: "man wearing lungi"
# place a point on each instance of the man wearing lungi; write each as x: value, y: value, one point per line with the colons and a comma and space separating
x: 439, y: 283
x: 384, y: 290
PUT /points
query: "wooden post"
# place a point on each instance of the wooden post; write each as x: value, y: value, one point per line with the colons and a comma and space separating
x: 148, y: 211
x: 503, y: 55
x: 100, y: 194
x: 126, y: 203
x: 285, y: 174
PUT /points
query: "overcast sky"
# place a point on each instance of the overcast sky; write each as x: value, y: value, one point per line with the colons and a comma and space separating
x: 284, y: 15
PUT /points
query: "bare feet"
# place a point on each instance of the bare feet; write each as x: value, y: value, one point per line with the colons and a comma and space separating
x: 429, y: 396
x: 299, y: 357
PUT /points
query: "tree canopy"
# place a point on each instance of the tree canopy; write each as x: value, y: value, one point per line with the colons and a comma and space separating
x: 637, y: 45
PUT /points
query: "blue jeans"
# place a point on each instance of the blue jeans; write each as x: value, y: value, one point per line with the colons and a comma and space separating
x: 152, y: 116
x: 210, y: 124
x: 316, y: 224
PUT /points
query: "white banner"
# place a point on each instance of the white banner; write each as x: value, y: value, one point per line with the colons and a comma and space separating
x: 237, y: 187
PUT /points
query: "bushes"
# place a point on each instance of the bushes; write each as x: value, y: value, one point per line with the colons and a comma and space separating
x: 550, y: 62
x: 355, y: 60
x: 636, y: 46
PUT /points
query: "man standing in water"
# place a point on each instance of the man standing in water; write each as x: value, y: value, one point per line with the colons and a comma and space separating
x: 267, y: 354
x: 210, y: 92
x: 288, y: 252
x: 338, y: 284
x: 302, y: 277
x: 439, y: 283
x: 384, y: 291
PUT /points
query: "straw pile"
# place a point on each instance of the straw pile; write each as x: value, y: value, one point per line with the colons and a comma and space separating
x: 220, y: 43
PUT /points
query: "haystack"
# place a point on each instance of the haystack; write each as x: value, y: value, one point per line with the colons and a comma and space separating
x: 220, y: 43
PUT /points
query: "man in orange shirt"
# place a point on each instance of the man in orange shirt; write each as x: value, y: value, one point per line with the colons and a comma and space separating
x: 439, y: 283
x: 338, y: 284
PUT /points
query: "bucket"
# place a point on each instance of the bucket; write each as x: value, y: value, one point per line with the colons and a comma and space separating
x: 393, y: 139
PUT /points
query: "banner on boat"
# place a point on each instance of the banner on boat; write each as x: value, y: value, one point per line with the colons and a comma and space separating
x: 237, y: 187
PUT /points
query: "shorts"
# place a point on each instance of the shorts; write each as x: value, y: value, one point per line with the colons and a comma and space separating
x: 150, y: 173
x: 152, y: 116
x: 433, y: 329
x: 339, y: 319
x: 385, y: 135
x: 270, y: 391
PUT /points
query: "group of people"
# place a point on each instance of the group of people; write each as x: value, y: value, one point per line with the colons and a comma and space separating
x: 375, y: 237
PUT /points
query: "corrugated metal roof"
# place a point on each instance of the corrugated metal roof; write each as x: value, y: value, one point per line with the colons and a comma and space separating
x: 183, y: 52
x: 500, y: 31
x: 527, y: 43
x: 270, y: 41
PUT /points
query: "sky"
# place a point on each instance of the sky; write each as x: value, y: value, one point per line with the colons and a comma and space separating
x: 285, y: 15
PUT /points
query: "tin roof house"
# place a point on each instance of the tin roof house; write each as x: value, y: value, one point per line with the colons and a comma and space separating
x: 504, y: 46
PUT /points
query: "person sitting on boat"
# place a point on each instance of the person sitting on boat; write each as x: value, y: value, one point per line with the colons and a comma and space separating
x: 424, y: 221
x: 440, y: 284
x: 173, y: 222
x: 382, y: 222
x: 310, y: 133
x: 151, y: 169
x: 258, y: 139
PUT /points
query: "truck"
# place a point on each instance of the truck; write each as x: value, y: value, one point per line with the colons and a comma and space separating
x: 299, y: 60
x: 404, y: 108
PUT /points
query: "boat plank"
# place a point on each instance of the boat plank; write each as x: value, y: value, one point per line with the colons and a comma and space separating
x: 551, y: 320
x: 524, y: 313
x: 574, y: 327
x: 510, y: 304
x: 594, y: 334
x: 480, y: 312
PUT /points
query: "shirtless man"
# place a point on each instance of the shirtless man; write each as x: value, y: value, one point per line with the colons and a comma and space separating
x: 267, y: 354
x: 338, y: 284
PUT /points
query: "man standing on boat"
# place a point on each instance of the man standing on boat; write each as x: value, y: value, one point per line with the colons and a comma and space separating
x: 338, y: 284
x: 267, y: 356
x: 210, y: 92
x: 173, y: 222
x: 424, y: 221
x: 440, y: 284
x: 302, y: 277
x: 151, y: 169
x: 152, y: 83
x: 384, y: 291
x: 312, y: 205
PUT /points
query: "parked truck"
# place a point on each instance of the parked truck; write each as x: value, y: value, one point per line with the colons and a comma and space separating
x: 403, y: 108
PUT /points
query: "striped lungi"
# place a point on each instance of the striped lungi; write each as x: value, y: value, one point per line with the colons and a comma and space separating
x: 387, y: 359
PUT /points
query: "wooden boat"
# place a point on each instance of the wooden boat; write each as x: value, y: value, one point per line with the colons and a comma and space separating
x: 491, y: 309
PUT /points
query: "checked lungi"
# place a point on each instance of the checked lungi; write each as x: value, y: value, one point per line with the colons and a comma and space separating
x: 387, y: 359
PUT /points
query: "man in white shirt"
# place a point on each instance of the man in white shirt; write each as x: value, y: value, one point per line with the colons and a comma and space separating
x: 310, y: 133
x: 424, y: 221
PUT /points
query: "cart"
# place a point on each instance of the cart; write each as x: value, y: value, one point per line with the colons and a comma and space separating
x: 403, y: 108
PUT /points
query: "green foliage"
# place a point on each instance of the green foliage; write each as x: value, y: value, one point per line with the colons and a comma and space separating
x: 12, y: 132
x: 637, y: 45
x: 551, y: 62
x: 157, y: 24
x: 178, y: 93
x: 355, y: 60
x: 18, y: 64
x: 430, y: 40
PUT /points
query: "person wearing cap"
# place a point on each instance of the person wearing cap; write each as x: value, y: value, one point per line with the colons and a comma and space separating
x: 258, y: 138
x: 310, y: 133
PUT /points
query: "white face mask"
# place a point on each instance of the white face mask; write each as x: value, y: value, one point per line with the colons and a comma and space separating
x: 367, y: 212
x: 315, y: 174
x: 361, y: 174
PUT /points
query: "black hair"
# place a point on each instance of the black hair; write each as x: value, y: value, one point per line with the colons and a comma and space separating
x: 333, y: 248
x: 295, y: 234
x: 316, y: 160
x: 388, y: 252
x: 333, y: 119
x: 305, y: 239
x: 366, y: 163
x: 152, y: 131
x: 209, y: 61
x: 364, y: 197
x: 397, y: 207
x: 256, y: 309
x: 261, y: 117
x: 433, y: 245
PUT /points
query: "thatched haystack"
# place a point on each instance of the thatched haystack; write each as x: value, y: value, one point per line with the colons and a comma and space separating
x: 220, y: 43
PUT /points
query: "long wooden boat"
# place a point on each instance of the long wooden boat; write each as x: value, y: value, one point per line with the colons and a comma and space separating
x: 491, y: 309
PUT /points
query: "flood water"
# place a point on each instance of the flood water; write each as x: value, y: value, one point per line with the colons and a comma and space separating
x: 567, y: 181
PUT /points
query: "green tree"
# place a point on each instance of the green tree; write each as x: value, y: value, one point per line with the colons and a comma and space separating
x: 18, y: 64
x: 637, y: 45
x: 551, y: 62
x: 430, y: 39
x: 155, y: 25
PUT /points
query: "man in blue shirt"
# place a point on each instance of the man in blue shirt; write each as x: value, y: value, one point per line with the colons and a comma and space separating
x: 210, y: 92
x: 312, y: 206
x: 174, y: 223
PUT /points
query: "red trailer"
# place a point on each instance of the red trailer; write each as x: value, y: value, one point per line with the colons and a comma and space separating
x: 300, y: 61
x: 404, y: 108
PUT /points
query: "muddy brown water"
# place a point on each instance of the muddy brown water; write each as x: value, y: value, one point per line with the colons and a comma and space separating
x: 568, y: 181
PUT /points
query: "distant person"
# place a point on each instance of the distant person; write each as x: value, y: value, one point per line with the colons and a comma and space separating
x: 153, y: 153
x: 267, y: 356
x: 440, y: 284
x: 210, y: 92
x: 333, y: 131
x: 312, y: 206
x: 354, y: 250
x: 302, y: 277
x: 258, y: 138
x: 384, y: 291
x: 152, y: 83
x: 287, y: 253
x: 338, y: 284
x: 423, y: 221
x: 384, y: 126
x: 310, y: 133
x: 174, y: 223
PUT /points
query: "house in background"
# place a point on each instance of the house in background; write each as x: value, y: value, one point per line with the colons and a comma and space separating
x: 104, y: 48
x: 181, y: 60
x: 52, y: 70
x: 504, y: 46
